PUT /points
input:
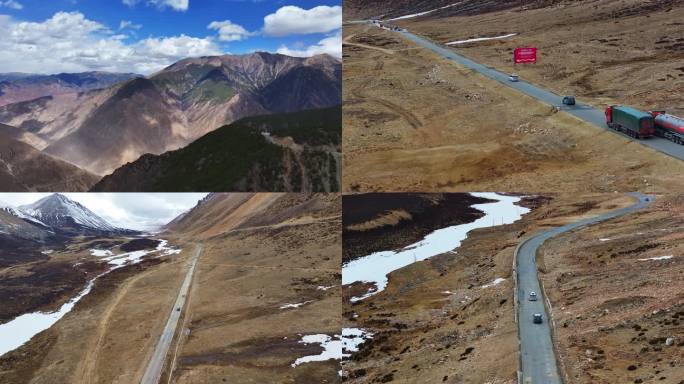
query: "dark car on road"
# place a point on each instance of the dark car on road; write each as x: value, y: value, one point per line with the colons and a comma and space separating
x: 537, y: 318
x: 569, y: 100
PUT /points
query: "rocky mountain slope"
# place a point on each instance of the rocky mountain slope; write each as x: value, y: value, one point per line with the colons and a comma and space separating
x: 24, y: 168
x: 19, y: 239
x: 212, y: 211
x: 27, y: 137
x: 221, y: 212
x: 103, y: 129
x: 285, y: 152
x: 17, y: 87
x: 14, y: 223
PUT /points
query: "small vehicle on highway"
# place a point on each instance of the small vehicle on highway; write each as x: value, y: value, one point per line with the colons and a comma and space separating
x: 513, y: 77
x: 533, y: 296
x: 537, y: 318
x: 569, y: 100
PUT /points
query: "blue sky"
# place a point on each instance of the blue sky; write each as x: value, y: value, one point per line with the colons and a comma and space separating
x: 119, y: 35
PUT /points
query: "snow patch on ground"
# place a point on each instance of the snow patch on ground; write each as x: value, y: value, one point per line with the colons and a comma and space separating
x: 165, y: 250
x: 375, y: 267
x: 47, y: 251
x: 481, y: 39
x: 296, y: 305
x: 424, y: 13
x: 324, y: 288
x: 352, y: 338
x: 334, y: 347
x: 496, y: 282
x: 605, y: 239
x: 127, y: 258
x: 668, y: 257
x: 100, y: 252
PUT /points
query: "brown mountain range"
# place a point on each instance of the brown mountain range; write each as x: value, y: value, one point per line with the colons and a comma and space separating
x: 100, y: 130
x: 25, y: 169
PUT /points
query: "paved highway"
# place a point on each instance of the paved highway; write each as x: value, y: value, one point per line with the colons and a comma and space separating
x: 156, y: 363
x: 583, y: 111
x: 536, y: 347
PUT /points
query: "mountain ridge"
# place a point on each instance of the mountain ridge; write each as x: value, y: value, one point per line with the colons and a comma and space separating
x: 23, y: 168
x: 299, y: 151
x: 18, y: 87
x: 103, y: 129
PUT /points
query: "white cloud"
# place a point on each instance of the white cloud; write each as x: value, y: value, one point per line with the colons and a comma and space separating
x: 178, y: 5
x: 229, y: 31
x: 68, y: 42
x: 129, y: 24
x: 331, y: 45
x: 177, y: 47
x: 11, y: 4
x: 292, y: 20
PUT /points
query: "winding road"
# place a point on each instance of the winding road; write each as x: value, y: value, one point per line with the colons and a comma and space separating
x: 537, y: 354
x: 155, y: 366
x: 584, y: 112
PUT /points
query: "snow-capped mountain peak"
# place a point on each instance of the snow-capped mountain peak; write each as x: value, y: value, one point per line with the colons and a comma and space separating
x: 58, y: 210
x: 18, y: 213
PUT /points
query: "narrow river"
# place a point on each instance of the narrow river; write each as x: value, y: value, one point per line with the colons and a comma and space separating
x: 375, y: 267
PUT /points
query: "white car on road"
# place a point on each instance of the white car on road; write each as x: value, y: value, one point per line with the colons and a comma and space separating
x: 513, y: 77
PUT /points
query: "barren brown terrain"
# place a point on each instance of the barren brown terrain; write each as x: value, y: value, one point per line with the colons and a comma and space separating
x: 604, y: 51
x: 414, y: 121
x: 437, y: 322
x: 270, y: 250
x: 617, y: 293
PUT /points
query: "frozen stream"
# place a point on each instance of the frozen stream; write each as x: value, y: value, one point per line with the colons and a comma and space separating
x: 375, y: 267
x: 21, y: 329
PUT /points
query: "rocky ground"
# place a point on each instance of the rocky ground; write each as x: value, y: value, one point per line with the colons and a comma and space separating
x: 414, y: 121
x: 438, y: 321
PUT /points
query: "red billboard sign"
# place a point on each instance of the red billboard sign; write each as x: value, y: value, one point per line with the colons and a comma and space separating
x: 523, y: 55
